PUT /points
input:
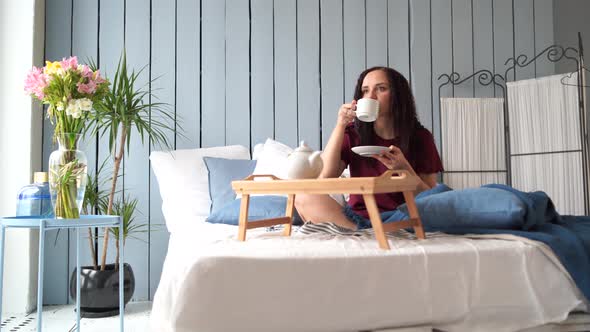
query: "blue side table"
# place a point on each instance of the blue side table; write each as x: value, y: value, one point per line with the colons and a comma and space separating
x: 49, y: 224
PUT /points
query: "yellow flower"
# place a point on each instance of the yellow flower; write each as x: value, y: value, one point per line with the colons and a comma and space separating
x: 52, y: 67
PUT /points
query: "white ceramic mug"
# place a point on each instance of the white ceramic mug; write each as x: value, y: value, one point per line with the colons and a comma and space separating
x: 367, y: 109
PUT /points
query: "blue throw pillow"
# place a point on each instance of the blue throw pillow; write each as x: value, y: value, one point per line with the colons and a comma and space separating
x: 261, y: 207
x: 442, y: 210
x: 221, y: 173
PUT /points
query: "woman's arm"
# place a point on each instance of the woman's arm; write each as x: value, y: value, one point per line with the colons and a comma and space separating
x: 333, y: 164
x: 395, y: 159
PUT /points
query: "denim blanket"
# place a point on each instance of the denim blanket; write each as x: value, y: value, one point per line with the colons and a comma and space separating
x: 500, y: 209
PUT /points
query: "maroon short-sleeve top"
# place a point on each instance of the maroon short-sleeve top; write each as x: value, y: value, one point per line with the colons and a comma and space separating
x: 422, y: 156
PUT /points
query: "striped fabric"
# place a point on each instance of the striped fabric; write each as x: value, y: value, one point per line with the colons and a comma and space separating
x: 330, y: 228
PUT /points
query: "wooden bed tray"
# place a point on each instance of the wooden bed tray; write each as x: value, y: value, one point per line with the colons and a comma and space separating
x: 388, y: 182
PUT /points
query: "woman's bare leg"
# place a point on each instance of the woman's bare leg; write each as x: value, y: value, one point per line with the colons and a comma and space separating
x: 321, y: 208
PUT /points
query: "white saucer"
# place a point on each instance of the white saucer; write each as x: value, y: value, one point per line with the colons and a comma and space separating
x: 369, y: 150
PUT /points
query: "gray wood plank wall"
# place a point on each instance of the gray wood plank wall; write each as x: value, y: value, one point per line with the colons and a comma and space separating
x: 239, y: 71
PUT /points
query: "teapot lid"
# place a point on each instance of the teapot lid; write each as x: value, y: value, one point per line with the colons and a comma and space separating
x: 303, y: 148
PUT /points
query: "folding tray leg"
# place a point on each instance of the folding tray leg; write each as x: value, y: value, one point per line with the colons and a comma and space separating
x: 411, y: 203
x: 289, y: 213
x: 243, y: 222
x: 376, y: 220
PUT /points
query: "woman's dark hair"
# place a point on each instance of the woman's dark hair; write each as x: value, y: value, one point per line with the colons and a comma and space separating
x: 402, y: 104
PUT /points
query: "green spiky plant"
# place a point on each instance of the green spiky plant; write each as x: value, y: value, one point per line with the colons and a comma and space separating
x: 127, y: 106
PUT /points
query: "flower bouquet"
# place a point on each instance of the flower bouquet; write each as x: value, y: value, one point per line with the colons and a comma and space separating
x: 71, y: 91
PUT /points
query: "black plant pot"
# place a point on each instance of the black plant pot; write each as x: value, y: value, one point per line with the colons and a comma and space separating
x: 99, y: 290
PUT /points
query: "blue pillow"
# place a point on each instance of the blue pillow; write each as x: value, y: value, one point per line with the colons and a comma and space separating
x: 221, y: 173
x: 261, y: 207
x: 444, y: 209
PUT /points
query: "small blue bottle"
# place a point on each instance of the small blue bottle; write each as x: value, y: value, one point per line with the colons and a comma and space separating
x: 34, y: 199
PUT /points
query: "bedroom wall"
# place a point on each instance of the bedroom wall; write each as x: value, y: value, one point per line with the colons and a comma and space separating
x: 239, y: 71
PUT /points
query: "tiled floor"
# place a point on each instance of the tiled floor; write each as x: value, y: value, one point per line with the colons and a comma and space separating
x: 63, y: 319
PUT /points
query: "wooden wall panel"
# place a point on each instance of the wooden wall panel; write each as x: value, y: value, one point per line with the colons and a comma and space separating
x: 239, y: 71
x: 138, y: 32
x: 237, y: 64
x: 420, y: 64
x: 262, y: 72
x: 308, y: 74
x: 84, y: 46
x: 398, y: 36
x: 332, y: 64
x: 354, y: 44
x: 213, y: 73
x: 285, y: 71
x: 376, y: 33
x: 164, y: 88
x: 58, y: 33
x: 188, y: 74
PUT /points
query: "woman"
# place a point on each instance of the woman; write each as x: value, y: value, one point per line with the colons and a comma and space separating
x: 411, y: 148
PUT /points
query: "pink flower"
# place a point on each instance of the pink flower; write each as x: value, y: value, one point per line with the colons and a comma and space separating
x: 97, y: 78
x: 85, y: 71
x: 36, y: 82
x: 69, y: 63
x: 87, y: 88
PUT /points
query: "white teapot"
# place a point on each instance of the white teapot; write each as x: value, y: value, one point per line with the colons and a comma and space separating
x: 304, y: 163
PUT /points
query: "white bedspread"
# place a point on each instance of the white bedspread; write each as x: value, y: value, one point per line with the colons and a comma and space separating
x: 212, y: 282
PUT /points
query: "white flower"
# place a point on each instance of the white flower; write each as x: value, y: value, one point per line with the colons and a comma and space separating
x: 60, y: 106
x: 73, y: 109
x: 85, y: 104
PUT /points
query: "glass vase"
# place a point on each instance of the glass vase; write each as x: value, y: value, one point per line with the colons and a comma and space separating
x: 67, y: 176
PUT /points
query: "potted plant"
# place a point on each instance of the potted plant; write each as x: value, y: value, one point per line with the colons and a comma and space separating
x: 123, y: 108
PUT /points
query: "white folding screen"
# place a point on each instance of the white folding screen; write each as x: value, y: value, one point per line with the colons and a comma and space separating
x: 545, y: 141
x: 473, y: 146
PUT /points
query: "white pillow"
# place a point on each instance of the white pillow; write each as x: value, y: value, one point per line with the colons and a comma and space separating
x: 184, y: 182
x: 273, y: 159
x: 257, y: 150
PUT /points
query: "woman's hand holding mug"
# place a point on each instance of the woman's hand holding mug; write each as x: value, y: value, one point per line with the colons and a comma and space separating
x: 346, y: 114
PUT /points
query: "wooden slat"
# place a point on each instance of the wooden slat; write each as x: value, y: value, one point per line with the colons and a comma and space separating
x: 376, y: 33
x: 57, y: 272
x: 411, y: 203
x: 262, y: 71
x: 84, y: 46
x: 213, y: 73
x: 354, y: 44
x: 332, y: 64
x: 402, y: 224
x: 285, y: 77
x: 503, y: 37
x: 136, y: 166
x: 111, y: 42
x: 163, y: 66
x: 269, y: 222
x: 543, y: 16
x: 188, y: 108
x: 237, y: 83
x: 442, y: 61
x: 524, y: 36
x: 463, y: 45
x: 420, y: 55
x: 308, y: 76
x: 398, y: 36
x: 483, y: 52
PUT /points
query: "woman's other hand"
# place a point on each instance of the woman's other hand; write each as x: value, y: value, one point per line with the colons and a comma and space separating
x: 346, y: 114
x: 393, y: 159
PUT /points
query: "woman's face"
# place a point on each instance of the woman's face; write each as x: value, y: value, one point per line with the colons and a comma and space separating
x: 376, y: 86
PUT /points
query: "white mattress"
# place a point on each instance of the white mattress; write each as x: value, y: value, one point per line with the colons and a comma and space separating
x: 212, y: 282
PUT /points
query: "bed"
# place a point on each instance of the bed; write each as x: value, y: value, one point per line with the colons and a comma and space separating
x: 331, y: 282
